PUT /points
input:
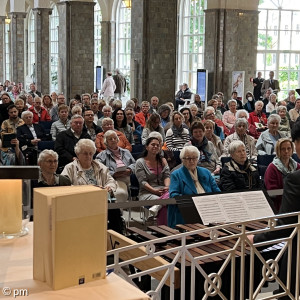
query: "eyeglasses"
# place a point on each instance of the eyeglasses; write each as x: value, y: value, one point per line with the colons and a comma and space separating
x: 5, y: 98
x: 51, y: 161
x: 210, y: 115
x: 89, y: 115
x: 190, y: 158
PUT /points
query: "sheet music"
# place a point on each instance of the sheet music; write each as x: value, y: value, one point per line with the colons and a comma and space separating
x: 232, y: 207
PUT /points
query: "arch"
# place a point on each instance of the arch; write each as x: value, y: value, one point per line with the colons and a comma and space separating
x: 191, y: 35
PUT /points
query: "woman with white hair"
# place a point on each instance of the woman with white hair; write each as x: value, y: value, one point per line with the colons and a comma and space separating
x: 271, y: 104
x: 257, y: 118
x: 243, y: 113
x: 84, y: 170
x: 284, y: 121
x: 189, y: 180
x: 268, y: 139
x: 238, y: 173
x: 120, y: 163
x: 229, y: 115
x: 240, y: 134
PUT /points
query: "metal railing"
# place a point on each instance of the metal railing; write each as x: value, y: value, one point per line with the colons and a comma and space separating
x: 233, y: 269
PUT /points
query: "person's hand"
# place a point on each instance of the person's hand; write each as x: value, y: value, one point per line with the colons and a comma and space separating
x: 108, y: 188
x: 250, y: 238
x: 217, y: 171
x: 166, y: 189
x: 15, y: 142
x: 254, y: 84
x: 35, y: 141
x: 74, y: 158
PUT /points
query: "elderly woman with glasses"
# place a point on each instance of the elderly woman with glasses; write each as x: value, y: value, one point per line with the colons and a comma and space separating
x: 85, y: 170
x: 48, y: 162
x: 189, y: 180
x: 220, y: 129
x: 257, y: 118
x: 240, y: 134
x: 268, y: 139
x: 238, y: 173
x: 120, y: 163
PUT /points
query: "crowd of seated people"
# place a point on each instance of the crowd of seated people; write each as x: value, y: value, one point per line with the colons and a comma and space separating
x: 92, y: 138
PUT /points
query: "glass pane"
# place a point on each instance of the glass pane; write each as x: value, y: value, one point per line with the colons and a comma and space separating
x: 296, y: 20
x: 285, y: 40
x: 273, y: 19
x: 260, y: 61
x: 284, y: 61
x: 262, y: 40
x: 270, y: 61
x: 286, y: 20
x: 272, y: 41
x: 295, y: 41
x: 262, y: 22
x: 267, y: 4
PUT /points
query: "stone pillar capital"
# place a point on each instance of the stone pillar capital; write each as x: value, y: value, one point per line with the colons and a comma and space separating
x: 17, y: 15
x: 2, y: 18
x: 40, y: 10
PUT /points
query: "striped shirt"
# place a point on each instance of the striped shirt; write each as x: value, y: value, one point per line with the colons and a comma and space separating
x: 177, y: 143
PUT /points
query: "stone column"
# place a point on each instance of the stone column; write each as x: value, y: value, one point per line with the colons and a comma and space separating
x: 153, y: 49
x: 108, y: 45
x: 2, y: 49
x: 42, y: 48
x: 230, y: 45
x: 76, y: 47
x: 17, y: 46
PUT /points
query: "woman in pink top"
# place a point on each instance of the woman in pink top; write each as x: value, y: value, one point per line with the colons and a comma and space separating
x: 229, y: 117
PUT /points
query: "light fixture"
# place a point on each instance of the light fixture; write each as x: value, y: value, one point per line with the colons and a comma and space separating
x: 7, y: 20
x: 127, y: 3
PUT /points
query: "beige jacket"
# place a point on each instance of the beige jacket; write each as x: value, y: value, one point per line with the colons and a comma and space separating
x: 76, y: 174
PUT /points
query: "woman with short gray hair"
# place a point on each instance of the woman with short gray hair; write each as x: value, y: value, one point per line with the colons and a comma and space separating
x: 120, y: 163
x: 238, y: 173
x: 84, y: 170
x: 267, y: 140
x: 240, y: 134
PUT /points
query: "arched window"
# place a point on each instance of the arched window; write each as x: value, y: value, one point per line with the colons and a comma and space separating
x: 123, y: 38
x: 54, y: 23
x: 278, y: 47
x: 31, y: 47
x: 7, y: 52
x: 191, y: 41
x: 97, y: 38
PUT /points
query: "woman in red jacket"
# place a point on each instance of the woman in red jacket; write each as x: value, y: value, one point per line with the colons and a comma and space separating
x: 258, y: 118
x: 282, y: 165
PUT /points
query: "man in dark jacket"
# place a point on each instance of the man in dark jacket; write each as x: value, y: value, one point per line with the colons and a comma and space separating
x: 182, y: 95
x: 66, y: 140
